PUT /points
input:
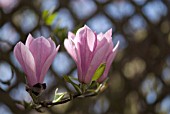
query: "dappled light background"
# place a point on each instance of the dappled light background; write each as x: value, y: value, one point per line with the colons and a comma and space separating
x: 139, y: 79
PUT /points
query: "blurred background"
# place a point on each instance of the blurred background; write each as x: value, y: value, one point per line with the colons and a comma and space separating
x: 140, y: 74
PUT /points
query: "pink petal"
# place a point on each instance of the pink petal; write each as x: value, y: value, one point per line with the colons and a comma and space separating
x: 26, y: 60
x: 102, y: 41
x: 47, y: 64
x: 108, y: 33
x: 41, y: 50
x: 53, y: 46
x: 29, y: 40
x: 82, y: 49
x: 90, y: 37
x: 100, y: 36
x: 98, y: 58
x: 108, y: 63
x: 70, y: 47
x: 18, y: 55
x: 86, y: 37
x: 87, y: 44
x: 71, y: 35
x: 116, y: 47
x: 108, y: 36
x: 79, y: 67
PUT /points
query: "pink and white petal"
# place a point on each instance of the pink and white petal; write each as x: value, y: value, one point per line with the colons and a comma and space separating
x: 47, y: 64
x: 18, y: 55
x: 29, y: 40
x: 87, y: 44
x: 100, y: 36
x: 81, y: 45
x: 29, y: 65
x: 70, y: 47
x: 79, y: 67
x: 100, y: 43
x: 116, y: 47
x: 53, y: 46
x: 41, y: 50
x: 108, y: 35
x: 110, y: 43
x: 108, y: 63
x: 89, y: 53
x: 26, y: 60
x: 79, y: 34
x: 91, y: 38
x: 71, y: 35
x: 98, y: 58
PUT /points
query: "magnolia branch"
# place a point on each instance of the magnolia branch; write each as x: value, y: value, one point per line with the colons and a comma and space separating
x: 46, y: 104
x: 77, y: 95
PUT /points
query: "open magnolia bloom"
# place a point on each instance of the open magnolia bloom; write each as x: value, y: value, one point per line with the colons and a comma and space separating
x: 89, y: 51
x: 35, y: 58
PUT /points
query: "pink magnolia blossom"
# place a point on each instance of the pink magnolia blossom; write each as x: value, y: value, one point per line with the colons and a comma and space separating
x: 35, y: 57
x: 89, y: 51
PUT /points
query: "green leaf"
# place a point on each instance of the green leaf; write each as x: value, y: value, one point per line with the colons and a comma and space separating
x: 99, y: 72
x: 49, y: 20
x: 68, y: 79
x: 72, y: 78
x: 93, y: 85
x: 58, y: 96
x: 48, y: 17
x: 45, y: 14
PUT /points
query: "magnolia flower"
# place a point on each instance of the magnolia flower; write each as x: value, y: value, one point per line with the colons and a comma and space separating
x: 89, y: 51
x: 35, y: 58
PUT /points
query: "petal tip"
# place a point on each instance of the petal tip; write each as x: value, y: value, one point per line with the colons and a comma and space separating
x: 86, y: 26
x: 30, y: 36
x: 116, y: 47
x: 110, y: 30
x: 57, y: 47
x: 71, y: 35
